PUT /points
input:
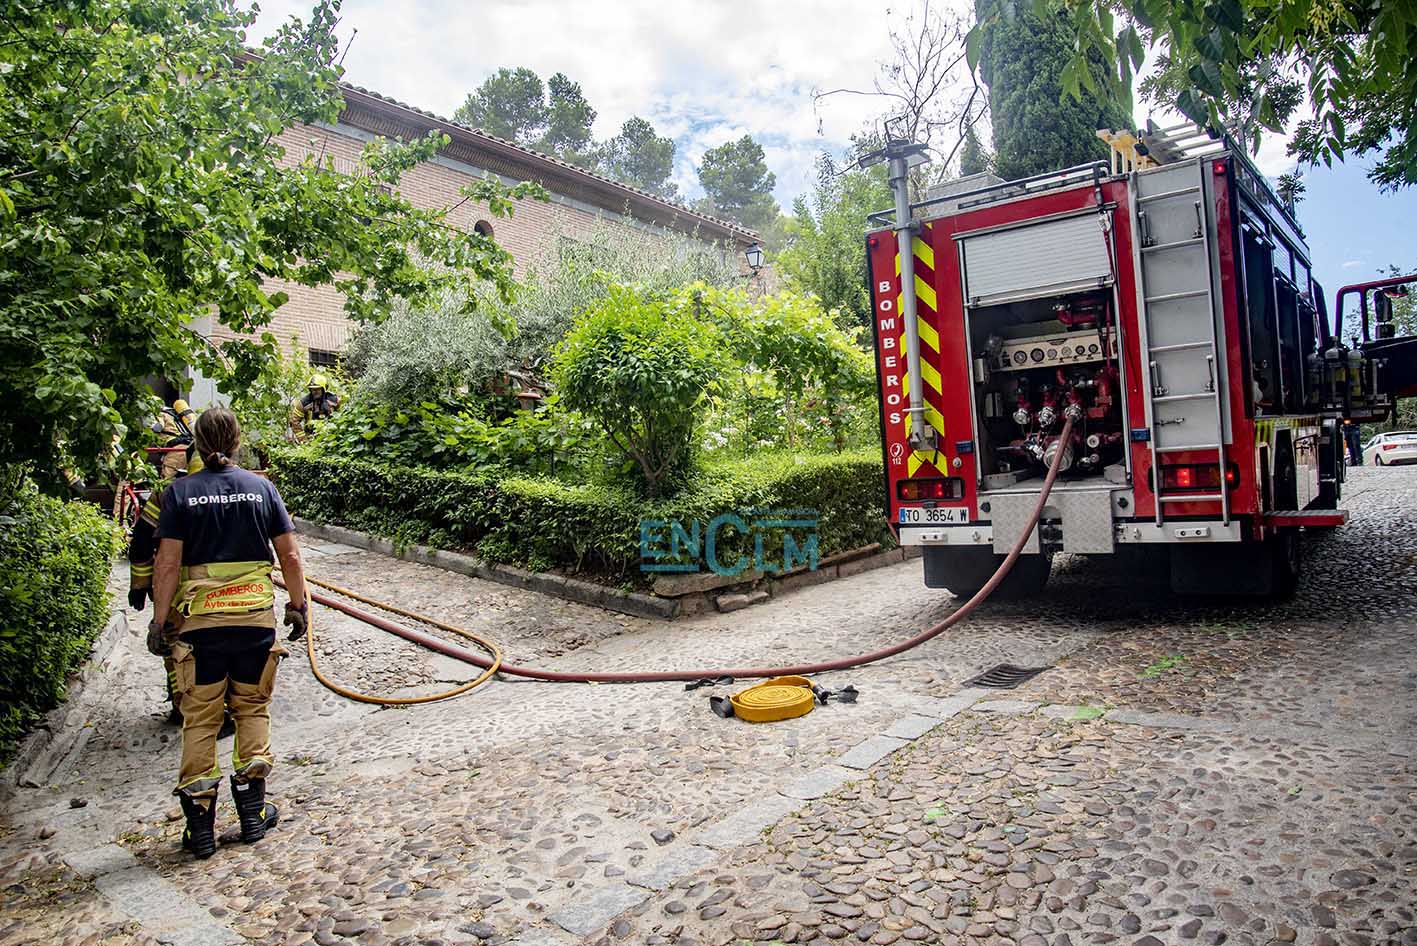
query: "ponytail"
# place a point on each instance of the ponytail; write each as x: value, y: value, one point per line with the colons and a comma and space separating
x: 217, y: 434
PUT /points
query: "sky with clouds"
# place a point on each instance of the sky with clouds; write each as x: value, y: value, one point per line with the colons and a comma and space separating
x: 709, y: 72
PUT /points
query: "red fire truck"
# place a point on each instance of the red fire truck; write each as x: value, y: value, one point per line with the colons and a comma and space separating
x: 1162, y: 301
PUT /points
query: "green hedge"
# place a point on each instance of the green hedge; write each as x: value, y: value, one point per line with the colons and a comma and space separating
x: 544, y: 523
x: 54, y: 564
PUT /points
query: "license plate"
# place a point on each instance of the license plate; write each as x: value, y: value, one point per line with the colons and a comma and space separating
x: 958, y: 515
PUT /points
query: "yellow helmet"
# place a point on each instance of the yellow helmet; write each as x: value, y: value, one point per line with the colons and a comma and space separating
x: 318, y: 381
x: 181, y: 406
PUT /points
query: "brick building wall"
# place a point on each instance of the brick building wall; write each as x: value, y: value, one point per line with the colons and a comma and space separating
x: 580, y: 202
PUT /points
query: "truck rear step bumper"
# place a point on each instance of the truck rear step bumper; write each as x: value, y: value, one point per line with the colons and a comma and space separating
x: 1124, y: 532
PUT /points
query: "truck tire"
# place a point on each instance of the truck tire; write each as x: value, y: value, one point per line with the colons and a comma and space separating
x: 964, y: 571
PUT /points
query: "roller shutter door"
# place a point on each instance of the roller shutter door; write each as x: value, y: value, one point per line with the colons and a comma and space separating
x: 1041, y: 259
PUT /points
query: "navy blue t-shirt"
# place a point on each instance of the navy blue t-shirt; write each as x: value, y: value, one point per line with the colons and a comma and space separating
x: 227, y: 515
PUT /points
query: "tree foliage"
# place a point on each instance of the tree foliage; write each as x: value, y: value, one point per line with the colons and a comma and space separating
x: 510, y: 103
x: 1271, y: 84
x: 738, y: 184
x: 427, y: 352
x: 1290, y: 187
x: 141, y: 189
x: 569, y: 118
x: 1025, y: 61
x: 553, y: 116
x: 642, y: 365
x: 1358, y: 62
x: 799, y: 379
x: 641, y: 158
x: 825, y: 254
x: 438, y: 349
x: 972, y: 157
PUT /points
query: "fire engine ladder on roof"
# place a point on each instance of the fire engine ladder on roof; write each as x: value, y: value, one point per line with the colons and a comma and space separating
x: 1176, y: 305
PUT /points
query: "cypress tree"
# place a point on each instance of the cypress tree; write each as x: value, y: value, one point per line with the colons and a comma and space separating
x: 1036, y: 128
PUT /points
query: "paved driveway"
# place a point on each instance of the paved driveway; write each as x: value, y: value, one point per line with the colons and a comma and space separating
x: 1186, y: 773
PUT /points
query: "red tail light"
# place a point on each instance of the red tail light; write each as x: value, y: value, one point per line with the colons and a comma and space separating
x: 935, y: 487
x: 1390, y: 446
x: 1199, y: 476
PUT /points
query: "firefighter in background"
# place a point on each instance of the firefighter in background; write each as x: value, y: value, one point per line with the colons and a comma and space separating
x: 318, y: 404
x: 142, y: 549
x: 213, y: 600
x: 174, y: 425
x: 1353, y: 437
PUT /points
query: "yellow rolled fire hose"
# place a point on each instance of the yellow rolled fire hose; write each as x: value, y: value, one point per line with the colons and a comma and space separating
x: 775, y: 699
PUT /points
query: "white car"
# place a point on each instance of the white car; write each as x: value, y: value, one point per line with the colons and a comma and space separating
x: 1398, y: 446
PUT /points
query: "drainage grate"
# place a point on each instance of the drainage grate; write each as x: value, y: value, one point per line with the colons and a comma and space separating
x: 1004, y: 677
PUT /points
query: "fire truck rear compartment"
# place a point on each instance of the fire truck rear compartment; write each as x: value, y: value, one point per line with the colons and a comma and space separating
x: 1035, y: 362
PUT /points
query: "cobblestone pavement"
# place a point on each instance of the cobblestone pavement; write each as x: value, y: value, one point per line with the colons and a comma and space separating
x: 1187, y: 772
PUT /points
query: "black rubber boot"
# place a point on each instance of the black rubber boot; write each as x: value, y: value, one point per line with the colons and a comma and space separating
x: 256, y: 814
x: 199, y: 836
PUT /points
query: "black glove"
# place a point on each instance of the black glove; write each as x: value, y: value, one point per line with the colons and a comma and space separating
x: 297, y: 619
x: 137, y: 598
x: 159, y: 644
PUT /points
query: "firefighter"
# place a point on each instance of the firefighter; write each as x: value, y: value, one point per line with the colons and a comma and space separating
x: 174, y: 425
x: 318, y: 404
x: 142, y: 548
x: 213, y: 611
x: 1353, y: 437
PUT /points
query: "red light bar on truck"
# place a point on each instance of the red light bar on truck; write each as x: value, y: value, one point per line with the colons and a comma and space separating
x: 931, y: 487
x: 1200, y: 476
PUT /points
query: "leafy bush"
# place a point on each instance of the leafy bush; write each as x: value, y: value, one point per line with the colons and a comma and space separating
x: 433, y: 351
x: 576, y: 271
x: 428, y: 353
x: 54, y: 563
x: 641, y: 364
x: 797, y: 360
x: 545, y: 523
x: 455, y: 433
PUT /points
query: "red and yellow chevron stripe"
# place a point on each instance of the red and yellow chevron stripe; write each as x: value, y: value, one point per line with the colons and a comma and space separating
x: 928, y: 322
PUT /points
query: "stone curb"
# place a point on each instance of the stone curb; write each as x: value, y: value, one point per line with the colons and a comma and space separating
x: 600, y: 596
x: 61, y: 723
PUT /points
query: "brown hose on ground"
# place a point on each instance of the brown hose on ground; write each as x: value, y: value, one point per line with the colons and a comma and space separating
x: 656, y: 676
x: 489, y: 666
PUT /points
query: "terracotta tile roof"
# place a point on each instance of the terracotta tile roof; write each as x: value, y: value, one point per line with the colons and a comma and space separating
x: 738, y: 232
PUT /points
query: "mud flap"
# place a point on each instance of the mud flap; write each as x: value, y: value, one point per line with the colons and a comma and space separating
x: 1244, y: 569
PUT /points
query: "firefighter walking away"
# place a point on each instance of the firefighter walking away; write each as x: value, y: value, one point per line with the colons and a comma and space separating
x: 142, y: 550
x: 214, y: 613
x: 316, y: 405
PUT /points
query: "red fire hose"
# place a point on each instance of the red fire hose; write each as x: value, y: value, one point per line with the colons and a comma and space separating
x: 657, y: 676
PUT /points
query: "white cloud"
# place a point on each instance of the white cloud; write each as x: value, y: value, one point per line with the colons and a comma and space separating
x: 1353, y: 263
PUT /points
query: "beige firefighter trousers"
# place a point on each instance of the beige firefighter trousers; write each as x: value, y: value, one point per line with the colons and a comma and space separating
x: 203, y: 707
